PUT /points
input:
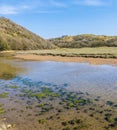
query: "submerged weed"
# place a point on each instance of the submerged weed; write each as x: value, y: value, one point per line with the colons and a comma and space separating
x: 3, y: 95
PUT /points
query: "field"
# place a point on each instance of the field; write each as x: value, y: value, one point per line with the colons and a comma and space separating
x: 99, y: 52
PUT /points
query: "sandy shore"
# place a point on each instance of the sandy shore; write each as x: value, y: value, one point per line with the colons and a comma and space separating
x: 66, y: 59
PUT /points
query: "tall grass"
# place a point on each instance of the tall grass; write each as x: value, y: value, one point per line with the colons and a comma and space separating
x: 102, y: 52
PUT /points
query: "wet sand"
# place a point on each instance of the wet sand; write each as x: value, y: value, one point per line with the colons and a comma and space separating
x: 67, y: 59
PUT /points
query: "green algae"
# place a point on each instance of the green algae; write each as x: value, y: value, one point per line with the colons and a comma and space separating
x: 3, y: 95
x: 2, y: 110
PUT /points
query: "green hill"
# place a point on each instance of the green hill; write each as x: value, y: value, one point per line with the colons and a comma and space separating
x: 15, y: 37
x: 85, y: 40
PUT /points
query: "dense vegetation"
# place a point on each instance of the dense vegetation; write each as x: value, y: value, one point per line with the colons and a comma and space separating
x: 15, y: 37
x: 85, y: 40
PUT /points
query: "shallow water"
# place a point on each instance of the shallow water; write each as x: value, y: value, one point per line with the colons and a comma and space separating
x: 96, y: 80
x: 80, y: 76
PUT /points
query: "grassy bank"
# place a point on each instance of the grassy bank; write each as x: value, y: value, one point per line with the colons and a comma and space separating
x: 99, y: 52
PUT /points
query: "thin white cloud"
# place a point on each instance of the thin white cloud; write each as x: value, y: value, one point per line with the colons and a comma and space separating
x: 40, y: 6
x: 92, y: 2
x: 57, y: 4
x: 6, y: 9
x: 48, y: 11
x: 9, y: 9
x: 46, y: 6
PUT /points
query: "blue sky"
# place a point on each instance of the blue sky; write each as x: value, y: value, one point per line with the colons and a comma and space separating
x: 54, y: 18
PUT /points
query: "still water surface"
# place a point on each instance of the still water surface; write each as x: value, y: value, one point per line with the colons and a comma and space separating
x: 77, y: 76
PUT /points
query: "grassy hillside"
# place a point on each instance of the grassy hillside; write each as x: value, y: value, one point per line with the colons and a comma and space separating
x: 15, y: 37
x: 85, y: 40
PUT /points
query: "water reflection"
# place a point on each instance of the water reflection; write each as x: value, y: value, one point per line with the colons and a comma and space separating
x: 8, y: 70
x: 75, y: 74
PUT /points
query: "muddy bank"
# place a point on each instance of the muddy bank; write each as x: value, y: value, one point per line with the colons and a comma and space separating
x: 67, y: 59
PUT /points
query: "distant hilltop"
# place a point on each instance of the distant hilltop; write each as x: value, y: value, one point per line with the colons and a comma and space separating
x: 85, y: 40
x: 16, y: 37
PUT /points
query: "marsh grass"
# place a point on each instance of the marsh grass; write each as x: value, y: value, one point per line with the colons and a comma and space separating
x: 97, y: 52
x: 7, y: 54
